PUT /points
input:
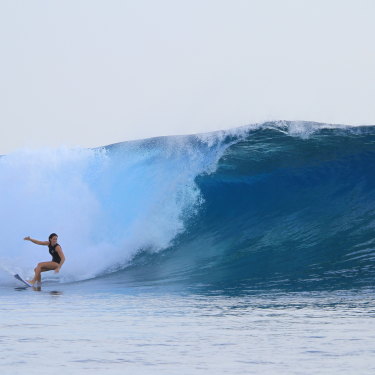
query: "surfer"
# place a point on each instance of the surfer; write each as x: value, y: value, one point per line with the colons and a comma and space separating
x: 57, y: 261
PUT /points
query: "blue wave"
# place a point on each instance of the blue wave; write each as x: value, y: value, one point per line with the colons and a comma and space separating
x: 273, y: 205
x: 280, y: 211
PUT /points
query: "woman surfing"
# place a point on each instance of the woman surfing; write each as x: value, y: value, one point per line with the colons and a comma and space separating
x: 58, y: 257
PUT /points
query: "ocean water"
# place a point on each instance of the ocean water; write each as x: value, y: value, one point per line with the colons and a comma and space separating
x: 250, y: 251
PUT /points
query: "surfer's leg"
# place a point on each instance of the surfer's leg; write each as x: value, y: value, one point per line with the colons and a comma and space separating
x: 47, y: 266
x: 36, y: 275
x: 34, y: 279
x: 42, y: 267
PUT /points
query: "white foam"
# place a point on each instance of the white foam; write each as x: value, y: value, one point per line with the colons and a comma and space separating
x: 105, y: 204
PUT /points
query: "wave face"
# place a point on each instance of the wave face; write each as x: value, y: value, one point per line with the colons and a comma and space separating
x: 279, y: 204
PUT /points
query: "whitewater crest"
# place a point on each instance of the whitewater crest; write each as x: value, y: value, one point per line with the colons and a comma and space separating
x: 267, y: 201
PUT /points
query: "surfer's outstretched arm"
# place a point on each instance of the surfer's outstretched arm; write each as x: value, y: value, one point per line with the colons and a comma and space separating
x: 28, y: 238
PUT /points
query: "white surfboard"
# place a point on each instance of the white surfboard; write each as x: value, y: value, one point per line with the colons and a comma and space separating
x: 18, y: 277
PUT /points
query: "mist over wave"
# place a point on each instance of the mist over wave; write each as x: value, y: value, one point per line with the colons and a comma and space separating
x: 106, y: 204
x: 279, y: 203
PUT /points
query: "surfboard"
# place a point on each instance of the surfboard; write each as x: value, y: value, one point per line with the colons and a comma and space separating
x: 18, y: 277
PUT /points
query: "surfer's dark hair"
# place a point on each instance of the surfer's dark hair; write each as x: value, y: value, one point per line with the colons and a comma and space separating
x: 51, y: 236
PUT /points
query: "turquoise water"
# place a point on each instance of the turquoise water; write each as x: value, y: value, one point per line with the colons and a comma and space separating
x: 86, y: 327
x: 247, y: 251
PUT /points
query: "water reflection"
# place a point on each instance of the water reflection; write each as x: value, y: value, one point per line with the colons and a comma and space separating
x: 56, y: 293
x: 38, y: 289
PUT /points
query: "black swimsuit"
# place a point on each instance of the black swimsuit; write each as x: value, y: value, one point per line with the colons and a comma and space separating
x: 55, y: 255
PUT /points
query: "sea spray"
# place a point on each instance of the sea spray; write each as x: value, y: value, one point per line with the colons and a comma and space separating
x: 106, y: 204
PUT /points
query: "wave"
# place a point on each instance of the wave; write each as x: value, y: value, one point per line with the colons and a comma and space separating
x: 277, y: 204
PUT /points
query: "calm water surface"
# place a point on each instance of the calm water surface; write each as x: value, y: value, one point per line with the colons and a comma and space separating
x: 66, y: 329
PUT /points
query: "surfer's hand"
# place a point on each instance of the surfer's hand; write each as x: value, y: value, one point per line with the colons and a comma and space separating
x: 27, y: 238
x: 57, y: 270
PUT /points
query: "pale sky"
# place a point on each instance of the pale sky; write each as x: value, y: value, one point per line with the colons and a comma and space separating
x: 94, y: 72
